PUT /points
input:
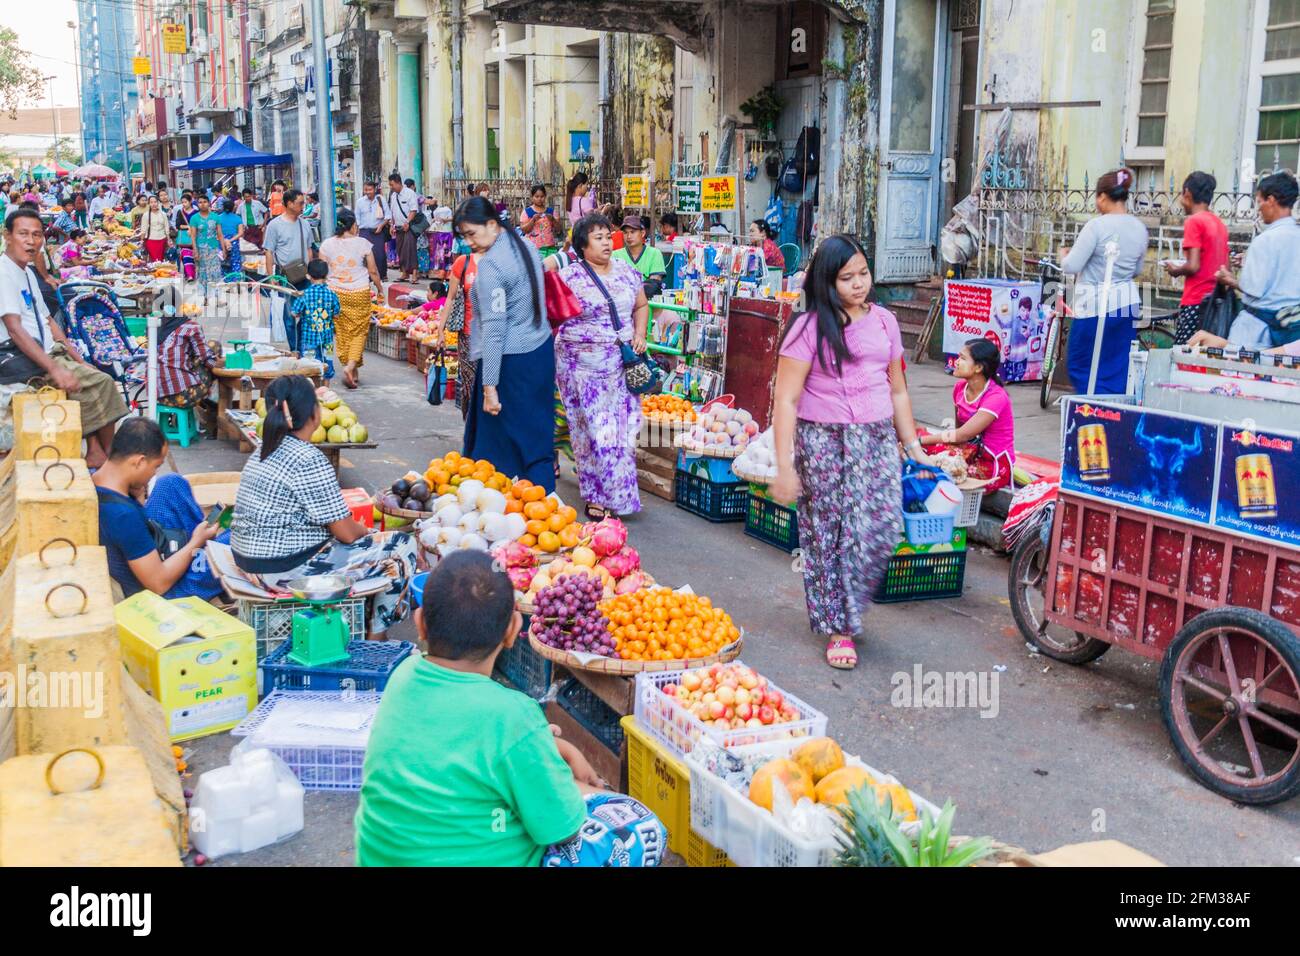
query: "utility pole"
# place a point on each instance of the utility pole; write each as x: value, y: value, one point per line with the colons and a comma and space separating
x: 54, y: 111
x: 324, y: 137
x: 76, y: 57
x: 457, y: 88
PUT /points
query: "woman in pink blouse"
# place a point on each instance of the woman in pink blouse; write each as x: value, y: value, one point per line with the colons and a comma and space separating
x: 841, y: 407
x: 986, y: 429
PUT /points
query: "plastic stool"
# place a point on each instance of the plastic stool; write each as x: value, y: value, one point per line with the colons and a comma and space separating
x: 179, y: 424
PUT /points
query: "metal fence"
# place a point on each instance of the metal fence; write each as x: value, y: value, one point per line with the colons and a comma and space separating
x: 1017, y: 226
x: 515, y: 192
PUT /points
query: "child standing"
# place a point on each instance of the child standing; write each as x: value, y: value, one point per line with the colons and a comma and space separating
x: 315, y: 311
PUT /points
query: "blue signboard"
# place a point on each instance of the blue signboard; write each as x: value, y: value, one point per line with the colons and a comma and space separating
x: 1141, y: 458
x: 1255, y: 465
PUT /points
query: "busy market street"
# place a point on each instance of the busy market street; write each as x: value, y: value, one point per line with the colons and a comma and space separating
x: 690, y: 434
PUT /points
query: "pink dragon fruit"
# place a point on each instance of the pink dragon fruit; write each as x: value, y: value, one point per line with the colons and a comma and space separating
x: 635, y: 581
x: 607, y: 536
x: 521, y: 578
x: 622, y: 562
x: 516, y: 555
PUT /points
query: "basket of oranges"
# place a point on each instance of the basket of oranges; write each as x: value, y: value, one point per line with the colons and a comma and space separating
x: 551, y: 526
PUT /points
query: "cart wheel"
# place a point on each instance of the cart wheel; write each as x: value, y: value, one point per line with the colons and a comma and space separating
x: 1230, y: 694
x: 1027, y: 588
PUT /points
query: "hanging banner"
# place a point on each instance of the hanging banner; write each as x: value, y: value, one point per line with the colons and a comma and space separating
x: 688, y: 195
x: 140, y: 66
x: 717, y: 193
x: 173, y: 38
x: 636, y: 191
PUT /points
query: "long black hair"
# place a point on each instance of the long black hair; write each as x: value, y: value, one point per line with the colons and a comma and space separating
x: 577, y: 180
x: 297, y: 394
x: 478, y: 211
x: 986, y: 357
x: 832, y: 255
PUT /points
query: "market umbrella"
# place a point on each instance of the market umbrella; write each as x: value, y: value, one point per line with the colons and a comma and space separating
x: 95, y: 171
x: 40, y: 172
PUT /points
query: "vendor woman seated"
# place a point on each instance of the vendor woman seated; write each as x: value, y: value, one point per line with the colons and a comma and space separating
x: 291, y: 521
x: 985, y: 435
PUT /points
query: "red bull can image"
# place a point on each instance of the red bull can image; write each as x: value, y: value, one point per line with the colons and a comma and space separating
x: 1256, y: 492
x: 1094, y: 456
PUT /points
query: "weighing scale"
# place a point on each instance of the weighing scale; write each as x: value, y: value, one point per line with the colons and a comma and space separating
x: 320, y: 635
x: 240, y: 358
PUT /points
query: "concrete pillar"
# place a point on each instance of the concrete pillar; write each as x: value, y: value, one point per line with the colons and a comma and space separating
x: 410, y: 150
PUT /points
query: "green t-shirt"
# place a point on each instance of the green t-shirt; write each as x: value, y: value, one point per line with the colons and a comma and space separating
x: 650, y: 263
x: 461, y: 771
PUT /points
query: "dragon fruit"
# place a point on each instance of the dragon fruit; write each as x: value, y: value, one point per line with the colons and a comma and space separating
x: 515, y: 555
x: 634, y: 581
x: 521, y: 578
x: 622, y: 562
x: 607, y: 536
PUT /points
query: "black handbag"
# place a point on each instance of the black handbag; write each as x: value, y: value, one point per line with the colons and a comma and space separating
x: 420, y: 224
x: 1217, y: 311
x: 640, y: 373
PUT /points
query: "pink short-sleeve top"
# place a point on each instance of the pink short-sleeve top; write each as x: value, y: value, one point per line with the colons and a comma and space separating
x: 859, y: 393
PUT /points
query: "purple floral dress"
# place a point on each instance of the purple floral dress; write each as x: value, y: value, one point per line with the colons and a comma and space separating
x: 604, y: 417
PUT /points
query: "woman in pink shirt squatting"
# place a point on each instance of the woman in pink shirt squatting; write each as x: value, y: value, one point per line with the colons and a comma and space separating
x: 986, y: 430
x: 841, y: 407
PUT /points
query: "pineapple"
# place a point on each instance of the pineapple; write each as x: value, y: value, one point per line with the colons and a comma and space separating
x: 863, y: 828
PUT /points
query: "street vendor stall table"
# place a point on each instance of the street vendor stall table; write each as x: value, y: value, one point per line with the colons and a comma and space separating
x: 244, y: 423
x: 228, y: 381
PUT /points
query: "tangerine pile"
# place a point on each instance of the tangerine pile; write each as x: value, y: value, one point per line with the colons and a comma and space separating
x: 551, y: 525
x: 658, y: 624
x: 667, y: 408
x: 444, y: 474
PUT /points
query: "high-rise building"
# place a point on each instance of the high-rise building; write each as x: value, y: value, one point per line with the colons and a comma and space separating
x: 106, y: 36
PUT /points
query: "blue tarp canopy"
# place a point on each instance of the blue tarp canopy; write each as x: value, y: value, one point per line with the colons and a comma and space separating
x: 229, y: 153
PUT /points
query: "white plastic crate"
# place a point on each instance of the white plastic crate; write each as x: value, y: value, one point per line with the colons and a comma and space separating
x: 753, y: 836
x: 321, y: 735
x: 969, y: 512
x: 272, y: 621
x: 679, y: 731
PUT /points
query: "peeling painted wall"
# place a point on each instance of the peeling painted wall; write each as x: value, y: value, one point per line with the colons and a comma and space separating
x: 643, y: 101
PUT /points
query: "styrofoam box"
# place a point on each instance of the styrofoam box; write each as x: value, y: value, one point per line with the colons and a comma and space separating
x: 679, y: 730
x: 751, y: 835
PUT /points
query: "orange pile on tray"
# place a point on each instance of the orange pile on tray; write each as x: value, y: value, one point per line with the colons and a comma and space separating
x: 446, y: 473
x: 667, y: 408
x: 657, y: 624
x: 551, y: 525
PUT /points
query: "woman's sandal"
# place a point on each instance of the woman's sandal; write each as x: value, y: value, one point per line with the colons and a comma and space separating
x: 596, y: 513
x: 841, y: 654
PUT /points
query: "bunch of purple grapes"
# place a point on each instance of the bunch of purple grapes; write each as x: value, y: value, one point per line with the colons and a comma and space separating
x: 565, y: 616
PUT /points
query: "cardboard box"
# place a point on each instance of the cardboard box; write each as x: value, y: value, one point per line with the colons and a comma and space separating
x: 198, y: 663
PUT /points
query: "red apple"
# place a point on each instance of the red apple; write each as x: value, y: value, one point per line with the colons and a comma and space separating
x: 716, y: 709
x: 708, y: 684
x: 766, y: 714
x: 744, y: 711
x: 670, y: 690
x: 753, y: 722
x: 729, y: 713
x: 774, y: 698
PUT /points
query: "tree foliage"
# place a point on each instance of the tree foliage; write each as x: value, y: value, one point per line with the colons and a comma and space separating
x: 65, y: 151
x: 20, y: 80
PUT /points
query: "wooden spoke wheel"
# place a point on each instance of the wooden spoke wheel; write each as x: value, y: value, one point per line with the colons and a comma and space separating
x: 1027, y: 589
x: 1230, y: 694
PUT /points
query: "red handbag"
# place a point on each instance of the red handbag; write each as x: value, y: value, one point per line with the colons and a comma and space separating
x: 561, y: 303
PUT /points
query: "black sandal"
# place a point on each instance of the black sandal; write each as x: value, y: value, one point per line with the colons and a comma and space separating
x: 596, y: 513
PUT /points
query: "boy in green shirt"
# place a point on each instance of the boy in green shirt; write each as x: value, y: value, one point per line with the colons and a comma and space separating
x: 647, y: 260
x: 462, y: 771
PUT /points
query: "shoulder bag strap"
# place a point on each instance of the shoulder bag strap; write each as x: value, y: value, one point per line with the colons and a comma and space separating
x: 613, y: 308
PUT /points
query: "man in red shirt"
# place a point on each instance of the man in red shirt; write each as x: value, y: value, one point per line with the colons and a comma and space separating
x: 275, y: 201
x: 1205, y: 244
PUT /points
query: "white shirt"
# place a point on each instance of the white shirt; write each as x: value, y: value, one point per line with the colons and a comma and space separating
x: 401, y: 205
x: 370, y: 213
x: 20, y: 295
x: 99, y: 204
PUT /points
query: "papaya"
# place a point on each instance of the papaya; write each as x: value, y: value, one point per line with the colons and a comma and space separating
x: 788, y: 773
x: 819, y: 757
x: 835, y: 786
x: 900, y: 800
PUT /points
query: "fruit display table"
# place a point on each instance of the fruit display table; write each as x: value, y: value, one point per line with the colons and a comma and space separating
x: 228, y: 383
x: 245, y: 423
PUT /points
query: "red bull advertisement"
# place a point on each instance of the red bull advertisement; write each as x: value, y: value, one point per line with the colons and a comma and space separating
x: 1254, y: 466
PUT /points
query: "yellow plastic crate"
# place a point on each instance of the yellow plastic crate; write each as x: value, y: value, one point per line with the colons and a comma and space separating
x: 663, y: 784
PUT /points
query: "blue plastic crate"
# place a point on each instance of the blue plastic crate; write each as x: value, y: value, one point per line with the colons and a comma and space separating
x: 709, y: 499
x: 524, y: 668
x: 368, y: 667
x: 592, y: 714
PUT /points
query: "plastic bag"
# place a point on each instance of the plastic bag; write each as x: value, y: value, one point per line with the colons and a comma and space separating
x: 919, y: 482
x: 279, y: 333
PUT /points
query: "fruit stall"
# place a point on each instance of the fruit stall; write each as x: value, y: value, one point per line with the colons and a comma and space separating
x: 339, y: 429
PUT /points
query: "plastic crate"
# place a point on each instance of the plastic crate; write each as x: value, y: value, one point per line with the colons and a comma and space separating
x: 716, y: 501
x: 368, y: 667
x: 925, y: 528
x: 372, y: 338
x: 524, y: 668
x: 679, y: 731
x: 969, y: 512
x: 413, y: 352
x: 272, y: 621
x: 322, y: 758
x: 768, y: 521
x: 593, y: 714
x: 663, y: 784
x: 920, y: 577
x: 392, y: 343
x: 753, y: 836
x: 137, y: 327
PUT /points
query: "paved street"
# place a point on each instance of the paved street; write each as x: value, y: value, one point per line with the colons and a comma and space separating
x: 1072, y: 754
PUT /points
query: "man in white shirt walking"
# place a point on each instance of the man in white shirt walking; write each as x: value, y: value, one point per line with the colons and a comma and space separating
x: 102, y: 203
x: 372, y: 225
x: 34, y: 349
x: 403, y: 205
